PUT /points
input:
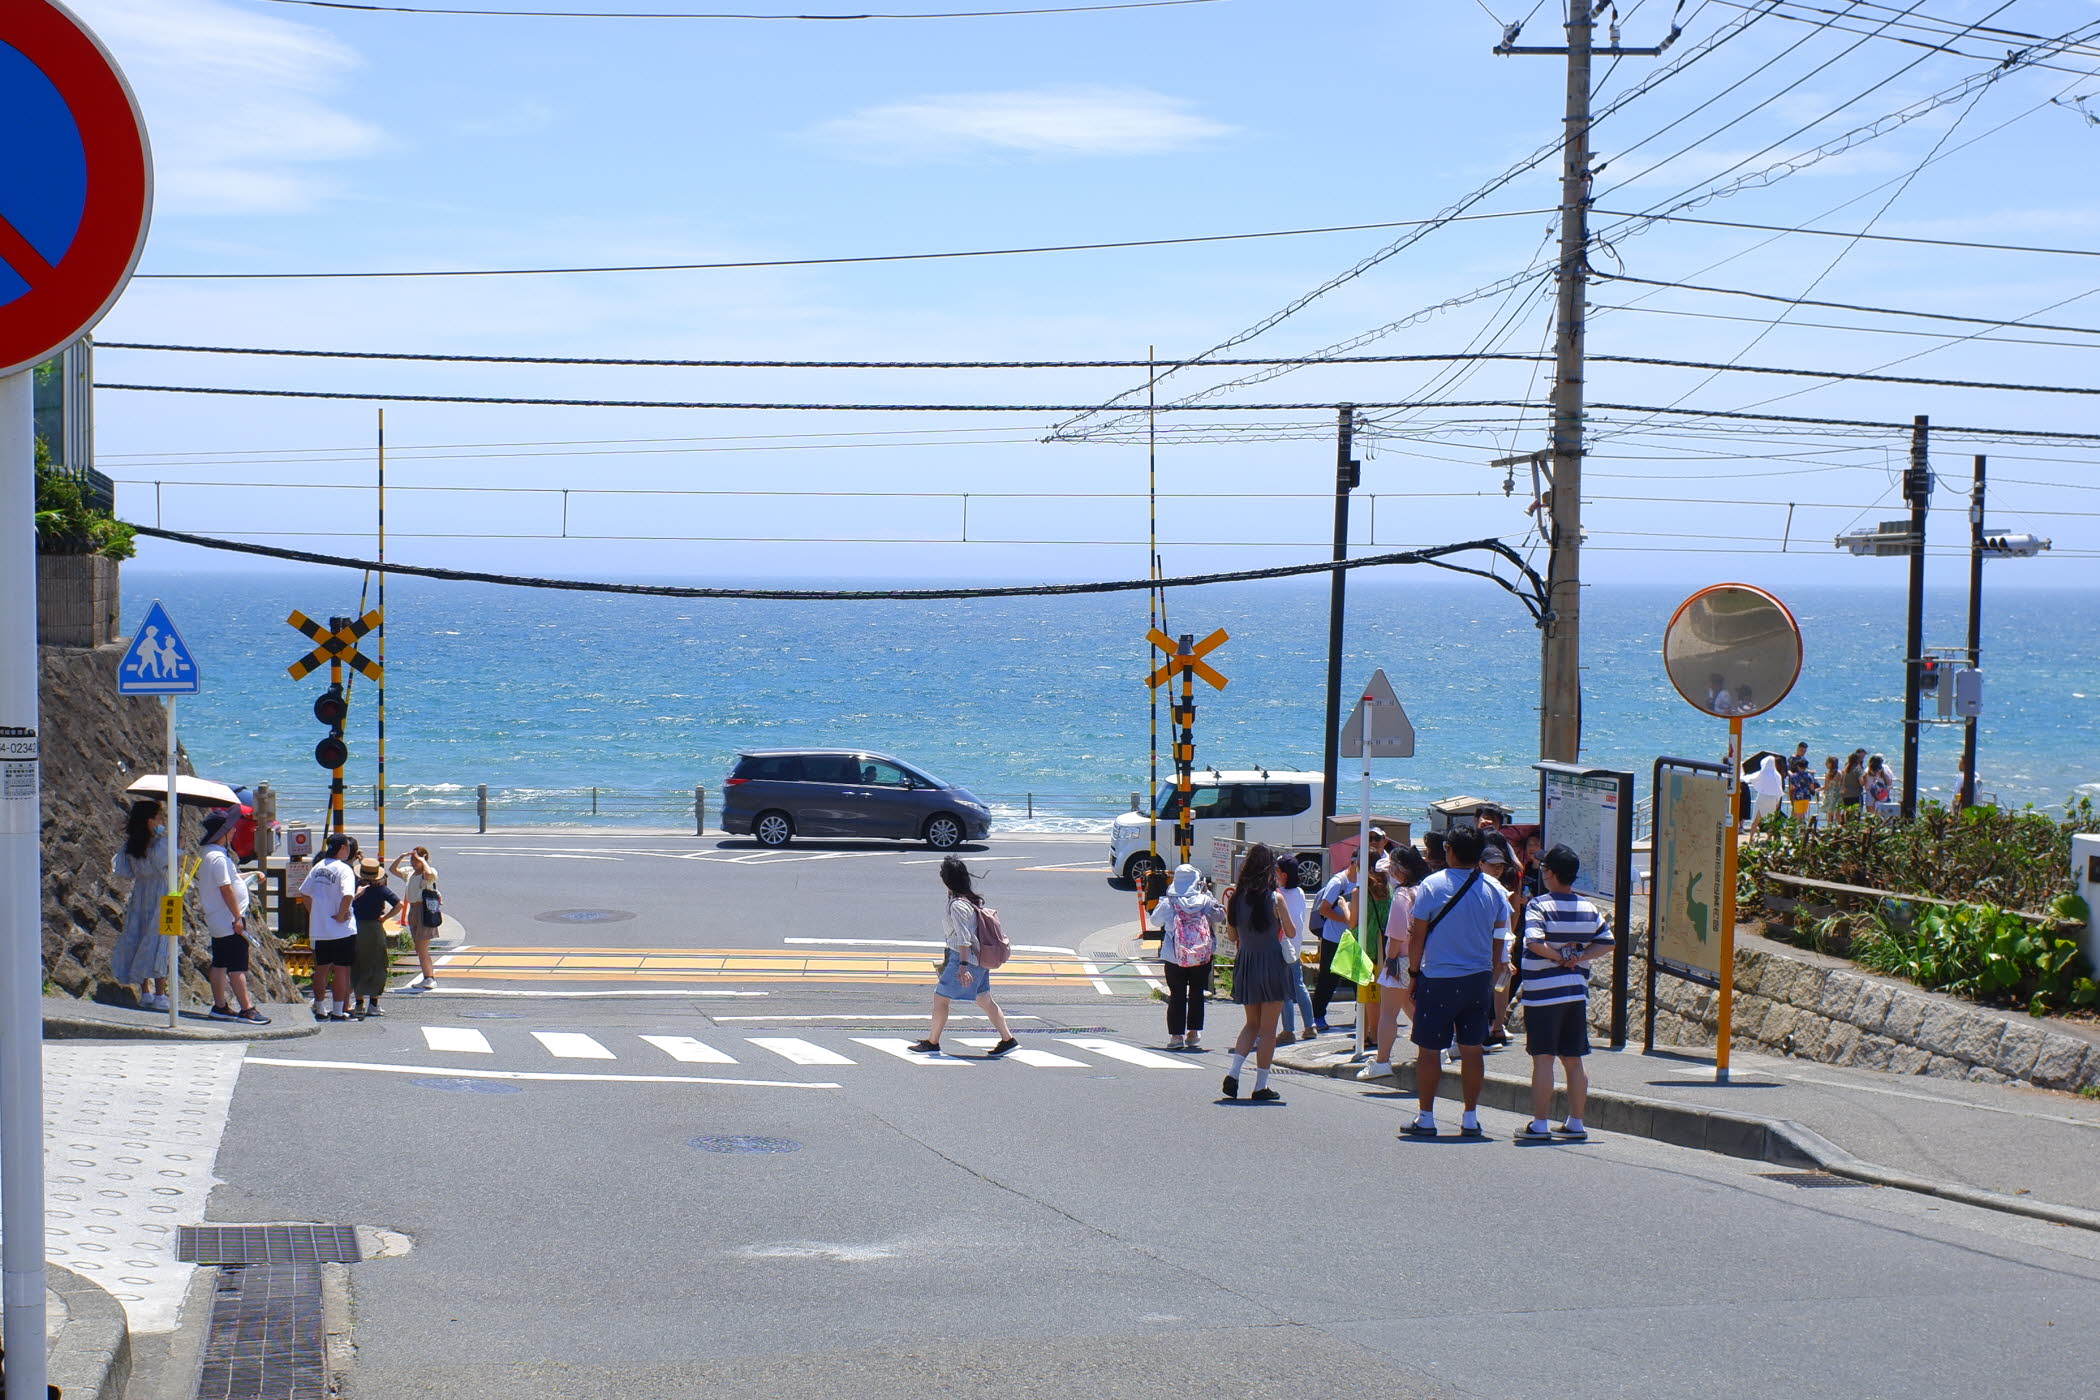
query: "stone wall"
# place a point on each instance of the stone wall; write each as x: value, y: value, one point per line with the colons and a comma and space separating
x: 95, y: 744
x: 1789, y: 1001
x: 76, y: 600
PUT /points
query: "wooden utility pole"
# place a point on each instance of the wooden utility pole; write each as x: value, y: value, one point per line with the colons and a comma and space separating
x: 1560, y: 651
x: 1967, y: 796
x: 1917, y: 489
x: 1347, y: 473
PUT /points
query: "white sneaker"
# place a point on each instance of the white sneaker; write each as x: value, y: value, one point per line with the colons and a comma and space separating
x: 430, y: 984
x: 1377, y: 1069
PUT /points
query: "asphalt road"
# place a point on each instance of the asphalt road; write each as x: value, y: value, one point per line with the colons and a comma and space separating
x: 1088, y: 1220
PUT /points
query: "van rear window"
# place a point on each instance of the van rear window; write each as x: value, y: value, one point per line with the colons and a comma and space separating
x: 778, y: 768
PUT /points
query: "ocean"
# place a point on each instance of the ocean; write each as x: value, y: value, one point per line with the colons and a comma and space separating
x: 608, y: 710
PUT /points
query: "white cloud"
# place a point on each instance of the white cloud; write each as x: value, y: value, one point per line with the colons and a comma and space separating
x: 1080, y: 120
x: 235, y: 103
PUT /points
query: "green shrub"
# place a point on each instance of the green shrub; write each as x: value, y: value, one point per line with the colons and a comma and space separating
x: 1984, y: 953
x: 66, y: 524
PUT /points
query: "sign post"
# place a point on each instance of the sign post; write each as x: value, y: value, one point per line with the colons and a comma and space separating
x: 79, y: 188
x: 1732, y: 651
x: 1377, y: 728
x: 1590, y: 811
x: 158, y: 662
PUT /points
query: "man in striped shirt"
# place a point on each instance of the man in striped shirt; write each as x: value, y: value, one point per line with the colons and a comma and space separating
x: 1563, y: 934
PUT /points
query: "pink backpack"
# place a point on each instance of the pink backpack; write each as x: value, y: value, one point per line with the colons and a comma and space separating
x: 1194, y: 942
x: 992, y: 948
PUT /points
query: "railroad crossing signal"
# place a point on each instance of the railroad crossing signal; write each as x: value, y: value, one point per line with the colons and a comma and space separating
x: 1193, y: 661
x: 339, y: 645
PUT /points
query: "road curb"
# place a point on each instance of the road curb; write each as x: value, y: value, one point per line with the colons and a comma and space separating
x: 66, y: 1019
x: 1749, y: 1136
x: 91, y: 1356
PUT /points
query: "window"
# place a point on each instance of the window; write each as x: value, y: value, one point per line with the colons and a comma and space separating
x: 778, y: 768
x: 839, y: 768
x: 1278, y: 799
x: 876, y: 773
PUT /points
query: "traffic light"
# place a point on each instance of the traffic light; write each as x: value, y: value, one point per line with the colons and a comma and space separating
x: 1928, y: 678
x: 331, y: 709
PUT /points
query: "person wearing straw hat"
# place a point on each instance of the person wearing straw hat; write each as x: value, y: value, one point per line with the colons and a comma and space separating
x: 368, y: 964
x: 1188, y: 921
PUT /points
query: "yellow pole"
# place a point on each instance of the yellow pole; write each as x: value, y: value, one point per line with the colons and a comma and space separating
x: 1726, y: 1018
x: 381, y: 629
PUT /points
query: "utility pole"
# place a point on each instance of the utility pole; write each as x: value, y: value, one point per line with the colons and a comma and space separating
x: 1560, y: 651
x: 1968, y: 726
x: 1348, y: 472
x: 1917, y: 490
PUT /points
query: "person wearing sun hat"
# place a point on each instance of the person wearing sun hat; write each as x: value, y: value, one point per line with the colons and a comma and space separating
x: 1188, y: 921
x: 368, y: 967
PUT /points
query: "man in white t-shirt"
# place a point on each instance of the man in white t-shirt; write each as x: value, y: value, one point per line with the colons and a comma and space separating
x: 327, y: 890
x: 224, y: 895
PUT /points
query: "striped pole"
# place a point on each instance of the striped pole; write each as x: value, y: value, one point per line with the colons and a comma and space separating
x: 380, y: 801
x: 1185, y: 752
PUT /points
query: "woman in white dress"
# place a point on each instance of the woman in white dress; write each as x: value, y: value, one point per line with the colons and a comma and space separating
x: 140, y: 959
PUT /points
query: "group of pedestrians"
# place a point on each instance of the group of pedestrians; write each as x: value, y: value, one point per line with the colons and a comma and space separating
x: 1861, y: 785
x: 348, y: 902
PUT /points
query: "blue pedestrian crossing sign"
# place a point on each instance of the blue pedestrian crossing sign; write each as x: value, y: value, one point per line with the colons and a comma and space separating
x: 158, y: 661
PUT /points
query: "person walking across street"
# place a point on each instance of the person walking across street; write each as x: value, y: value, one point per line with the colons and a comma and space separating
x: 328, y: 890
x: 1563, y: 934
x: 371, y: 904
x: 1261, y: 923
x: 1332, y: 917
x: 421, y: 908
x: 1405, y: 868
x: 1458, y: 915
x: 963, y: 977
x: 1299, y: 1001
x: 224, y: 897
x: 140, y: 958
x: 1188, y: 939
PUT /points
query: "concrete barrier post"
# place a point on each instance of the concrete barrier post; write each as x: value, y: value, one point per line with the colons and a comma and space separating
x: 699, y: 811
x: 481, y: 806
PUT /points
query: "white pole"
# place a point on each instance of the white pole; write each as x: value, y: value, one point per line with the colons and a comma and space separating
x: 1363, y: 886
x: 21, y: 908
x: 174, y: 815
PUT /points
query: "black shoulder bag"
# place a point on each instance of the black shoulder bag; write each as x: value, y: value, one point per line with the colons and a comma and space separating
x: 1449, y: 904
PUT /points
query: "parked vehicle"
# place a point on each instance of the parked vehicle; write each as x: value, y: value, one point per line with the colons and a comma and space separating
x: 776, y: 795
x: 1253, y: 804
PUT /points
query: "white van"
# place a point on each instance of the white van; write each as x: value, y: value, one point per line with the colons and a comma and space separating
x: 1253, y: 804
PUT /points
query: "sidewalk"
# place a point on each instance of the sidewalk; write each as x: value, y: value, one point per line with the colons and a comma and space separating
x: 2030, y: 1151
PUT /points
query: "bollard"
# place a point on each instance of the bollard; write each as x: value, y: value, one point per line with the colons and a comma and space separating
x: 481, y: 806
x: 594, y: 802
x: 1133, y: 802
x: 1031, y: 806
x: 699, y: 811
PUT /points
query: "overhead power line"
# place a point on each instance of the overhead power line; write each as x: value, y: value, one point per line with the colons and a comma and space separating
x: 658, y: 14
x: 821, y: 262
x: 1844, y: 305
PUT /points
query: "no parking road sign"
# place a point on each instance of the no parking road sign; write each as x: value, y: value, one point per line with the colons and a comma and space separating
x: 76, y: 183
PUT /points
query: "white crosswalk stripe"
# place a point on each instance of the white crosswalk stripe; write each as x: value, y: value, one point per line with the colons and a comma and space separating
x: 799, y: 1052
x: 1041, y: 1059
x: 903, y: 1051
x: 573, y: 1045
x: 688, y: 1051
x: 464, y: 1039
x: 1129, y: 1054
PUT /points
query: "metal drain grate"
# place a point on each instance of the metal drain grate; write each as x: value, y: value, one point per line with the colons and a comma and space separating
x: 1811, y: 1179
x: 267, y: 1244
x: 266, y: 1340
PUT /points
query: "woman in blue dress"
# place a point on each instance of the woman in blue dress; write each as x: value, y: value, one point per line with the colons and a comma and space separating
x: 1260, y: 977
x: 140, y: 960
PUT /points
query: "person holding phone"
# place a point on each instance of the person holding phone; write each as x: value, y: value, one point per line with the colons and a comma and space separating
x: 419, y: 902
x: 1563, y: 934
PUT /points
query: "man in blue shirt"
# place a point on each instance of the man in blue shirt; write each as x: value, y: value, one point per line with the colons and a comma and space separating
x: 1331, y: 918
x: 1458, y: 915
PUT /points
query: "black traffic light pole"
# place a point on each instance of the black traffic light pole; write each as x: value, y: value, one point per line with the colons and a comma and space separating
x: 1968, y: 725
x: 1917, y: 489
x: 1347, y: 473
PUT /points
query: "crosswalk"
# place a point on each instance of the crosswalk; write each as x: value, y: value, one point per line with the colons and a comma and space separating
x: 799, y: 1050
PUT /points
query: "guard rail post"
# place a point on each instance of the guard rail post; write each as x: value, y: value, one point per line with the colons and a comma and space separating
x: 699, y: 811
x: 481, y: 806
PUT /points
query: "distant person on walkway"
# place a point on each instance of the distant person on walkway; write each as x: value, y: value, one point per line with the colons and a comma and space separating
x: 223, y: 894
x: 1801, y: 789
x: 418, y: 904
x: 1405, y: 869
x: 1769, y: 785
x: 1718, y: 700
x: 1299, y: 1002
x: 369, y: 961
x: 1832, y: 789
x: 1563, y: 934
x: 962, y: 976
x: 141, y: 959
x: 1878, y: 785
x: 1188, y: 939
x: 1458, y: 916
x: 328, y: 890
x: 1852, y: 783
x: 1261, y: 923
x: 1331, y: 918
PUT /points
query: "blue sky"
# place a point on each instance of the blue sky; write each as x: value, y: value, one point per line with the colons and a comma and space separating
x: 290, y: 138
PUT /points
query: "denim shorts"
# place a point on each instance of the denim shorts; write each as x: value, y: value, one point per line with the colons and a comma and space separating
x: 961, y: 981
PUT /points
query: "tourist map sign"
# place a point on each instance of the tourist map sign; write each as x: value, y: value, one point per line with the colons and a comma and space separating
x: 1691, y: 832
x: 76, y: 186
x: 1581, y: 812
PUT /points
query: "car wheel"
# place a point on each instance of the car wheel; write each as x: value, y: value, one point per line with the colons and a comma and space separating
x: 1310, y: 877
x: 944, y: 833
x: 1138, y: 866
x: 773, y: 828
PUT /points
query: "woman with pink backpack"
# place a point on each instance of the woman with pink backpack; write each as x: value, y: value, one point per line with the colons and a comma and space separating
x: 974, y: 945
x: 1188, y: 938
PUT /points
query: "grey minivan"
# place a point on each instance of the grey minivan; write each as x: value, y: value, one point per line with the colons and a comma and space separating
x: 776, y: 795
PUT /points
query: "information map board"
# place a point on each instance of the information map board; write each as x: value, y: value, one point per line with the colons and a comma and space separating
x: 1590, y: 811
x: 1684, y: 898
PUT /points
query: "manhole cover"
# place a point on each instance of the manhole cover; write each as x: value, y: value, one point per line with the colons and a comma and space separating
x: 465, y: 1086
x: 1810, y: 1179
x: 583, y: 916
x: 267, y: 1244
x: 740, y: 1143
